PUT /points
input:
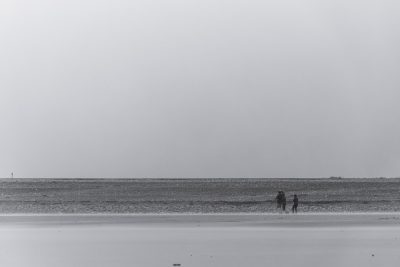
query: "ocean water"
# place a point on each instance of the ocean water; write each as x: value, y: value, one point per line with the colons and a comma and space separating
x: 196, y: 195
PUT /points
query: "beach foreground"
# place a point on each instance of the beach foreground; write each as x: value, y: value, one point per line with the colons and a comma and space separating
x: 200, y: 240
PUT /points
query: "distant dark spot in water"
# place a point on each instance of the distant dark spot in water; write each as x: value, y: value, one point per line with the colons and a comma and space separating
x: 373, y: 255
x: 176, y: 264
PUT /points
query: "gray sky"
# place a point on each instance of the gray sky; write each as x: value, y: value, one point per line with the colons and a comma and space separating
x: 199, y: 88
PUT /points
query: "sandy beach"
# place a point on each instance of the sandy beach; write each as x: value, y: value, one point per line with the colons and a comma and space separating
x: 200, y: 240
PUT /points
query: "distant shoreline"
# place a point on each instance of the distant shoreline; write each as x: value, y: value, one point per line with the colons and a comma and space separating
x: 206, y: 220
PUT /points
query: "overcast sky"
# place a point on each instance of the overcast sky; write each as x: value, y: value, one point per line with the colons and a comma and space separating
x: 199, y: 88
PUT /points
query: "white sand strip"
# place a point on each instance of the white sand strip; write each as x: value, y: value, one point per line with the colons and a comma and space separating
x: 201, y: 241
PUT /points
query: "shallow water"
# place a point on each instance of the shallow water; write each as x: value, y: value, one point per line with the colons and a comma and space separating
x: 195, y: 195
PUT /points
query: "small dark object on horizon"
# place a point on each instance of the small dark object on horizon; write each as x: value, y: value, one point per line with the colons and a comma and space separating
x: 176, y: 264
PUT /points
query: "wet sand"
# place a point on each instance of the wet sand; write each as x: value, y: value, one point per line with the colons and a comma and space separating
x: 200, y: 240
x: 205, y: 220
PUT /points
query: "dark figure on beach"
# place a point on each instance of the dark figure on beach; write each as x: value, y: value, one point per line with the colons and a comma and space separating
x: 295, y: 204
x: 283, y: 201
x: 278, y: 199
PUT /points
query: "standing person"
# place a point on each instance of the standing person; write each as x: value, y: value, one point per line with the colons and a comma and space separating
x: 278, y: 199
x: 295, y: 204
x: 283, y: 197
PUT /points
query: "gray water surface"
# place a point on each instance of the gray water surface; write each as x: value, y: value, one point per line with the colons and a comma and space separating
x: 195, y: 195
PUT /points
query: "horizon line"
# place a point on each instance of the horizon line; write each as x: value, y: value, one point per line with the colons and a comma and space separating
x: 183, y: 178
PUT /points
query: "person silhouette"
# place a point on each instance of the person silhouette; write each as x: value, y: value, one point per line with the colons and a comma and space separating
x: 278, y: 199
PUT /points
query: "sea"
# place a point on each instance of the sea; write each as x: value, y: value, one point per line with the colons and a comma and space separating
x: 219, y: 195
